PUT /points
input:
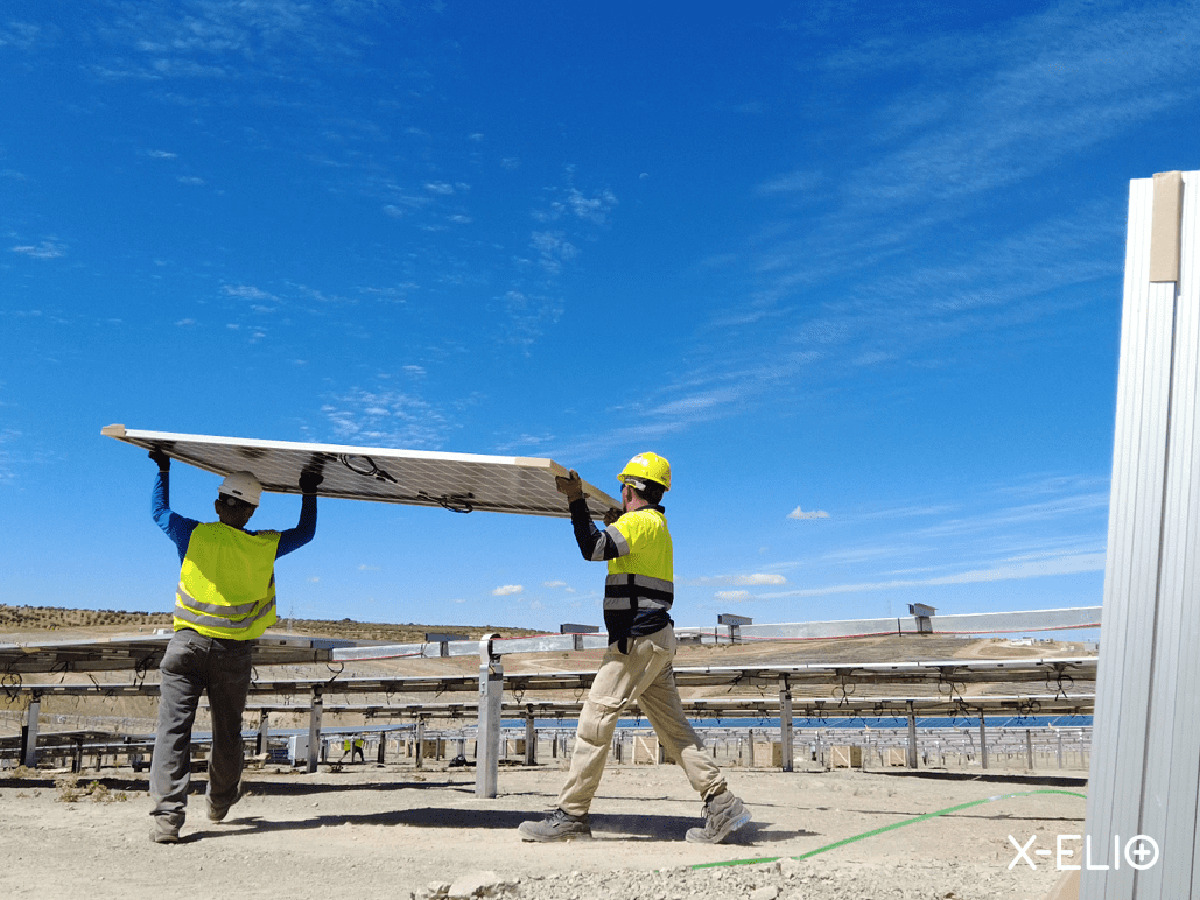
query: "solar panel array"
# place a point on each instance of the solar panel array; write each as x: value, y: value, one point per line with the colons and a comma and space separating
x: 460, y: 482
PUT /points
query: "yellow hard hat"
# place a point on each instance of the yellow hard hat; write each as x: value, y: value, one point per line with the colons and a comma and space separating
x: 649, y: 467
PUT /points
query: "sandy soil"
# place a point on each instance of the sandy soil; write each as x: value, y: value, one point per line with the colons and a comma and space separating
x: 370, y: 832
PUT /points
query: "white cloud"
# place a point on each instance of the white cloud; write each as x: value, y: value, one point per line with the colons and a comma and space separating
x: 44, y: 250
x: 248, y: 292
x: 507, y: 590
x: 190, y: 179
x: 732, y: 596
x: 553, y: 249
x: 798, y: 513
x: 754, y: 579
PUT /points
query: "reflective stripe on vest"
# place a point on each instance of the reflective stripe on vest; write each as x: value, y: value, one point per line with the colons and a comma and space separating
x: 227, y: 582
x: 206, y: 624
x: 620, y: 591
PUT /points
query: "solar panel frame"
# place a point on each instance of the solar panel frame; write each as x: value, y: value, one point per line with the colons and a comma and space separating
x: 460, y: 482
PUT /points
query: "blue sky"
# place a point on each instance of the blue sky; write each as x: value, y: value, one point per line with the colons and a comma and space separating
x: 855, y: 269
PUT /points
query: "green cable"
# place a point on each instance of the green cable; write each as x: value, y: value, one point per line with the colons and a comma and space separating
x: 893, y: 826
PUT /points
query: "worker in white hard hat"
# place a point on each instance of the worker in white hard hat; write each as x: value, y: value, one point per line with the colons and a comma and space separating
x: 225, y: 599
x: 638, y: 594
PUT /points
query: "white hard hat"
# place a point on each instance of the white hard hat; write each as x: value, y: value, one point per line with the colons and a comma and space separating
x: 242, y: 486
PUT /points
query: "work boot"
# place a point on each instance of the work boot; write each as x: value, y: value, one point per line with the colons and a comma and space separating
x: 163, y: 830
x: 723, y: 815
x: 217, y: 812
x: 557, y: 826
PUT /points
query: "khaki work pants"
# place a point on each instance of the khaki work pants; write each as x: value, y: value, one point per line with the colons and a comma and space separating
x: 643, y: 674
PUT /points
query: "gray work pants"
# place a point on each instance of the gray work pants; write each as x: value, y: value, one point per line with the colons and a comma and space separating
x: 193, y: 664
x: 643, y: 674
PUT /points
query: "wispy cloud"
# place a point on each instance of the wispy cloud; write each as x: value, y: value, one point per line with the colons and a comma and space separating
x: 732, y: 596
x: 7, y: 461
x: 1039, y: 568
x: 799, y: 513
x: 385, y: 418
x: 938, y: 545
x: 508, y: 590
x: 48, y: 249
x: 854, y: 272
x: 757, y: 578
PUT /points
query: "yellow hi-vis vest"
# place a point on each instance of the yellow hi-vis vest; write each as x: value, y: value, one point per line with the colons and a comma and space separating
x: 227, y: 583
x: 644, y: 576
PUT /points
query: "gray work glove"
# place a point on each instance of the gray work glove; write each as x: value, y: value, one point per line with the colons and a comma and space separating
x: 571, y: 485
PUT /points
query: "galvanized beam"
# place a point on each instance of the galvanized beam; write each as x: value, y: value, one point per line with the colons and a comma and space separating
x: 491, y: 694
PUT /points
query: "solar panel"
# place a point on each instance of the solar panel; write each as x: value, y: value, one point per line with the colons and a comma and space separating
x: 460, y: 482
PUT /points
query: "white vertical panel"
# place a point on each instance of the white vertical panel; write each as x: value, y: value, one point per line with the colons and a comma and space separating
x: 1182, y: 547
x: 1168, y: 732
x: 1124, y: 682
x: 1156, y: 308
x: 1120, y: 530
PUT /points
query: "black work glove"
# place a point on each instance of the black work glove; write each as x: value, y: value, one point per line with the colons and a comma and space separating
x: 163, y: 461
x: 310, y: 479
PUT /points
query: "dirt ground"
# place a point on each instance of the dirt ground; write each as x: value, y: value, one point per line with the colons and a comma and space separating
x: 369, y: 832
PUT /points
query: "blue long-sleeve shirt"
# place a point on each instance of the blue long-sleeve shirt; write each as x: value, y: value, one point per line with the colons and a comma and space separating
x: 179, y: 528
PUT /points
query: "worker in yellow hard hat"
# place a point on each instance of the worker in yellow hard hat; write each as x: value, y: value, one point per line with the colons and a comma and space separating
x: 225, y: 599
x: 638, y: 595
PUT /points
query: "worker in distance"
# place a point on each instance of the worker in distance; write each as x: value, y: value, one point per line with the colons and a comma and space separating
x: 225, y: 599
x: 638, y: 594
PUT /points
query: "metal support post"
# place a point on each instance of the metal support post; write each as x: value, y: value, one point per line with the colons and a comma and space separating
x: 983, y: 753
x: 261, y: 746
x: 912, y: 737
x: 314, y: 728
x: 29, y: 733
x: 530, y: 738
x: 491, y: 693
x: 419, y: 748
x: 1029, y: 748
x: 381, y: 759
x: 785, y: 726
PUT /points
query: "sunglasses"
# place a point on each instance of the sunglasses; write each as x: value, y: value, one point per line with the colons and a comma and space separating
x: 234, y: 502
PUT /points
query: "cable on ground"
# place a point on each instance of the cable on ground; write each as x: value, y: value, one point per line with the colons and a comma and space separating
x: 885, y: 828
